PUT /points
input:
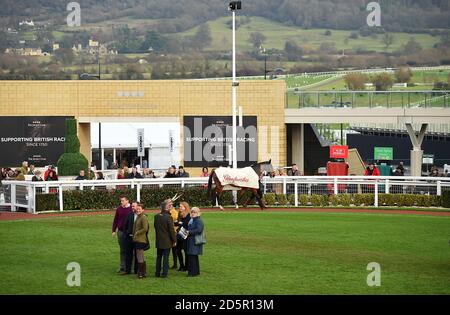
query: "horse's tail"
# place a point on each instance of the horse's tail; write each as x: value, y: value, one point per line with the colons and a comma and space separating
x: 210, y: 180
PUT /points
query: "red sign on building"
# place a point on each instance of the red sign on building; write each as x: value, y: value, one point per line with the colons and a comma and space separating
x: 338, y: 151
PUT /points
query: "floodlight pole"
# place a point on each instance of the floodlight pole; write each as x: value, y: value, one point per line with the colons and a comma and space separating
x: 234, y: 86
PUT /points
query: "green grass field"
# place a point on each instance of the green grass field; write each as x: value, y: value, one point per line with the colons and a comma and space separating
x: 277, y: 34
x: 247, y: 253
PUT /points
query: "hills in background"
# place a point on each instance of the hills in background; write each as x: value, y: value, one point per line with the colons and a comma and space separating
x: 176, y: 15
x: 192, y: 38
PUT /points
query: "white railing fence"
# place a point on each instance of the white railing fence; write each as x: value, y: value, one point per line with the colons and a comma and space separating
x: 15, y: 195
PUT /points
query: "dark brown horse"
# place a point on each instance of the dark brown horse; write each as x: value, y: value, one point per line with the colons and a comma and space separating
x: 216, y: 189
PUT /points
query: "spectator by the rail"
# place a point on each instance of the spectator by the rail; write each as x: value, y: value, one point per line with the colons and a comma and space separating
x: 165, y: 238
x: 171, y: 172
x: 100, y: 176
x: 114, y: 166
x: 401, y: 167
x: 399, y: 172
x: 32, y: 170
x: 19, y: 175
x: 105, y: 164
x: 120, y: 174
x: 140, y: 239
x: 182, y: 172
x: 81, y: 175
x: 446, y: 174
x: 205, y: 173
x: 148, y: 173
x: 281, y: 172
x: 194, y: 249
x: 372, y: 170
x: 134, y: 174
x: 294, y: 171
x: 434, y: 172
x: 126, y: 171
x: 130, y: 253
x: 37, y: 176
x: 24, y: 169
x: 184, y: 217
x: 50, y: 174
x: 118, y: 227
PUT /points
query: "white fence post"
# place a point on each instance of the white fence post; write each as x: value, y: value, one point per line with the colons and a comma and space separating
x: 13, y: 197
x: 138, y: 193
x: 438, y: 188
x: 47, y: 188
x: 376, y: 194
x: 296, y: 194
x: 61, y: 202
x: 386, y: 188
x: 182, y: 183
x: 284, y: 186
x: 335, y: 184
x: 30, y: 198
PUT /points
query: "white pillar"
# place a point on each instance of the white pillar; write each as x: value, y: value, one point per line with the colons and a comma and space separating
x: 416, y: 152
x: 102, y: 157
x: 298, y: 146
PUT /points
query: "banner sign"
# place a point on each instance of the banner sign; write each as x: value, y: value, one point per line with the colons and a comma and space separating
x: 38, y: 140
x: 338, y: 151
x: 141, y: 145
x: 428, y: 159
x: 383, y: 153
x: 208, y: 141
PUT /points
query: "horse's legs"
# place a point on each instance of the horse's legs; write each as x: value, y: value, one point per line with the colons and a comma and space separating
x: 250, y: 200
x: 218, y: 199
x: 259, y: 199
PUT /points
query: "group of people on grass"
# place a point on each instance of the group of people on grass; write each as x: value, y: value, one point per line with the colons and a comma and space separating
x: 131, y: 227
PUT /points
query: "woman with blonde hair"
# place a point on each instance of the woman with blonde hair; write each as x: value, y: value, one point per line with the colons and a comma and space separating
x: 183, y: 221
x: 195, y: 242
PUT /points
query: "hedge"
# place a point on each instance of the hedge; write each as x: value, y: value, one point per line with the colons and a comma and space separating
x: 359, y: 200
x: 152, y: 197
x: 445, y: 199
x: 108, y: 199
x: 72, y: 161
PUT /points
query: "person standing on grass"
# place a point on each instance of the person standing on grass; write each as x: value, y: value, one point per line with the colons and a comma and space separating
x: 183, y: 220
x: 195, y: 227
x: 140, y: 240
x: 174, y: 214
x: 165, y: 238
x: 119, y: 227
x: 129, y: 230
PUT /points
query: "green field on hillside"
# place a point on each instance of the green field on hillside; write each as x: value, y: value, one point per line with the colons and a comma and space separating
x: 246, y: 253
x: 277, y: 34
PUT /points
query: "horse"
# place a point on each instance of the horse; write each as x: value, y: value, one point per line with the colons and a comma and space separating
x: 219, y: 189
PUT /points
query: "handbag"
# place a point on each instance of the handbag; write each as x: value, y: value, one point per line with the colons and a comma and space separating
x: 147, y: 246
x: 200, y: 239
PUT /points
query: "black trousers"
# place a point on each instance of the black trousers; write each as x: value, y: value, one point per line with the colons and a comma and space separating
x: 193, y: 265
x: 162, y: 255
x: 181, y: 247
x: 130, y: 256
x: 175, y: 255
